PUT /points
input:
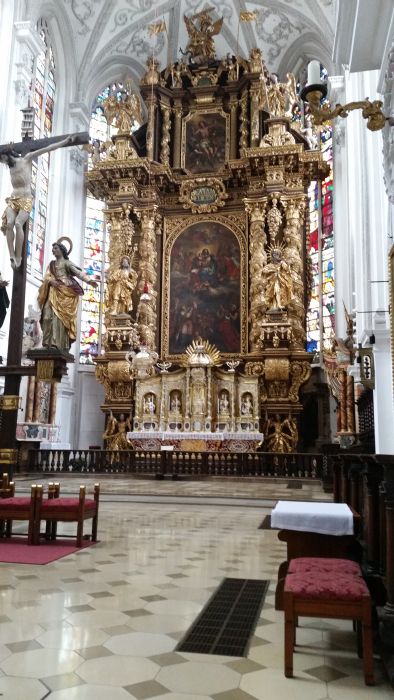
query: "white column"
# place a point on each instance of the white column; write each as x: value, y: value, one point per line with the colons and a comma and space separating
x: 383, y: 394
x: 361, y: 244
x: 343, y: 270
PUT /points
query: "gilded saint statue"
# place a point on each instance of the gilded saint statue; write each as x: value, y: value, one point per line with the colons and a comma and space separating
x: 201, y: 28
x: 58, y: 298
x: 120, y: 286
x: 278, y: 289
x: 116, y: 433
x: 281, y: 435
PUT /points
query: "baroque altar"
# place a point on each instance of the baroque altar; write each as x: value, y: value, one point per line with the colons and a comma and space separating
x: 198, y: 406
x: 205, y: 216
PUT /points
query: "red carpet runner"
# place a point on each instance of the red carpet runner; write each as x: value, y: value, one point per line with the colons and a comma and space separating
x: 16, y: 551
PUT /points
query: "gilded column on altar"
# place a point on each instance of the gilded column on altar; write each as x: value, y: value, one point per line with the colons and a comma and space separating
x: 257, y: 260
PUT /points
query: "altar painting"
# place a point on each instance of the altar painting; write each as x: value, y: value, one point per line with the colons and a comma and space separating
x: 204, y: 142
x: 205, y: 288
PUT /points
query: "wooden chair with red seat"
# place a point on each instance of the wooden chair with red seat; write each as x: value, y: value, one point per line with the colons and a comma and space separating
x: 19, y: 508
x: 333, y: 588
x: 7, y: 490
x: 68, y: 510
x: 50, y: 528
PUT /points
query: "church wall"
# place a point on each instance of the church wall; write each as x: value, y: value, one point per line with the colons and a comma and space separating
x: 88, y: 421
x: 361, y: 211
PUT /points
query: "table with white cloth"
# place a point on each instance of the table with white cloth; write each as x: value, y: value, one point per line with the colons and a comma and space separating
x: 312, y: 529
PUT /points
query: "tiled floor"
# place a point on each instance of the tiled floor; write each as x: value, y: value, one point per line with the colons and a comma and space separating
x: 102, y: 624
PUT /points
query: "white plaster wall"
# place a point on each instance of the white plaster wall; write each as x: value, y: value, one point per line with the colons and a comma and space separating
x: 88, y: 421
x: 365, y: 240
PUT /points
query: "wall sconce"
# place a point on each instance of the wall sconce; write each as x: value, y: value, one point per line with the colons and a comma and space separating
x: 315, y: 91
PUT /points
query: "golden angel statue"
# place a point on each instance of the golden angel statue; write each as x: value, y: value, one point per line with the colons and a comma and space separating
x: 116, y: 433
x: 281, y: 435
x: 120, y: 286
x: 125, y: 111
x: 279, y: 98
x: 201, y: 28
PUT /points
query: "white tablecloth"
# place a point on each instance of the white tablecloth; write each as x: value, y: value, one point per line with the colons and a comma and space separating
x: 324, y: 518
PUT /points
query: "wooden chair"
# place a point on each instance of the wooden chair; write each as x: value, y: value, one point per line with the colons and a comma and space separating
x: 67, y: 510
x: 19, y: 508
x: 329, y: 591
x: 7, y: 490
x: 51, y: 525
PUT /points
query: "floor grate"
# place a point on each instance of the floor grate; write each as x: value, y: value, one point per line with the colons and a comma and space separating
x: 265, y: 523
x: 293, y: 484
x: 226, y: 624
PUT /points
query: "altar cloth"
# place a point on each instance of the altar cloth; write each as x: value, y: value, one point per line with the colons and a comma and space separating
x: 321, y: 517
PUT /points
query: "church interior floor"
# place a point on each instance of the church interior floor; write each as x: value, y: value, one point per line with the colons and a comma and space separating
x: 103, y: 623
x: 242, y: 488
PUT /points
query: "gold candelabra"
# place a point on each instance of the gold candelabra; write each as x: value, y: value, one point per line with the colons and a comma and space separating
x: 372, y: 111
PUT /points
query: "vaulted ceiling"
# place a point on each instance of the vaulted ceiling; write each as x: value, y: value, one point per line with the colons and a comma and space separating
x: 101, y: 34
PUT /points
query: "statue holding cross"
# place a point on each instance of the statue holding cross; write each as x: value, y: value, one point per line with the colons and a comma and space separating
x: 20, y: 202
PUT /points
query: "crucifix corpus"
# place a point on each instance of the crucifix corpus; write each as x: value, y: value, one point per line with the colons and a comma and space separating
x: 19, y: 158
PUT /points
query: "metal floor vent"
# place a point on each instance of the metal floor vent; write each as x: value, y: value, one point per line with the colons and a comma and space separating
x: 294, y: 484
x: 265, y: 523
x: 227, y: 622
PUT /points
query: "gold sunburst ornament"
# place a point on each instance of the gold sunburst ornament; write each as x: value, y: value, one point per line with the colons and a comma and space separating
x: 201, y: 352
x: 275, y: 251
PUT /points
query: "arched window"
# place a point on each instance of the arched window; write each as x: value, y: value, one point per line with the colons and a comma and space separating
x: 43, y: 96
x: 95, y: 246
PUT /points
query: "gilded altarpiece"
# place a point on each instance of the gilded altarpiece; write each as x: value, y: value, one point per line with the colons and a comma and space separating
x: 206, y: 215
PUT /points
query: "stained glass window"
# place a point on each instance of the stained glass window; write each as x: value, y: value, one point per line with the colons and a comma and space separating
x: 320, y: 322
x: 321, y: 312
x: 43, y: 96
x: 95, y: 248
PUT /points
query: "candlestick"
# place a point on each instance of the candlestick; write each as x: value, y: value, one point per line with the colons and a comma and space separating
x: 314, y: 73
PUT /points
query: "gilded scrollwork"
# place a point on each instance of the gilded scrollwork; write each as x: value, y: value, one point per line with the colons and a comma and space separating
x: 277, y: 136
x: 277, y: 369
x: 119, y: 371
x: 203, y: 194
x: 300, y: 373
